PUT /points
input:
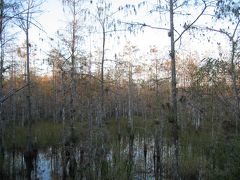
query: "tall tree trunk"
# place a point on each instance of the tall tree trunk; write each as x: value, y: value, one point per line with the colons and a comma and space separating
x: 102, y: 72
x: 13, y: 103
x: 175, y: 129
x: 1, y: 88
x: 30, y: 154
x: 130, y: 118
x: 54, y: 93
x: 145, y: 149
x: 158, y: 150
x: 69, y: 147
x: 130, y: 124
x: 73, y: 73
x: 63, y: 107
x: 28, y: 95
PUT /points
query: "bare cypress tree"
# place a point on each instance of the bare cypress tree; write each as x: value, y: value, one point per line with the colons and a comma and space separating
x: 24, y: 20
x: 129, y: 51
x: 102, y: 18
x: 174, y: 111
x: 103, y: 24
x: 29, y: 104
x: 73, y: 94
x: 76, y: 11
x: 25, y: 23
x: 176, y: 173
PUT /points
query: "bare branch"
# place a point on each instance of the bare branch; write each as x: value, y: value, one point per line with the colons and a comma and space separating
x: 11, y: 93
x: 190, y: 25
x: 144, y: 25
x: 234, y: 32
x: 214, y: 30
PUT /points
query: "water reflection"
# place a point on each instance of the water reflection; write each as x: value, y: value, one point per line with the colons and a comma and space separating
x: 114, y: 161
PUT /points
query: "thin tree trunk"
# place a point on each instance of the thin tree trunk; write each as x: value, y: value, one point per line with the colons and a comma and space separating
x: 54, y: 93
x: 130, y: 124
x: 69, y: 146
x: 130, y: 118
x: 73, y: 73
x: 13, y: 103
x: 145, y: 145
x: 29, y: 107
x: 1, y: 89
x: 63, y: 89
x: 158, y: 149
x: 102, y: 71
x: 175, y: 130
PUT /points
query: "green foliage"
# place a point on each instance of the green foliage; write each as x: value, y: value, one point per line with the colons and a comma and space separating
x: 225, y: 159
x: 190, y: 165
x: 45, y: 134
x: 105, y: 169
x: 15, y: 137
x: 48, y: 134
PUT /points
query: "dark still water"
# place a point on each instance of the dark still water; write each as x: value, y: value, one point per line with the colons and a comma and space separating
x: 137, y: 158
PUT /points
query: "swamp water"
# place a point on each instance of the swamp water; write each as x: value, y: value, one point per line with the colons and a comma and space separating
x: 94, y: 161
